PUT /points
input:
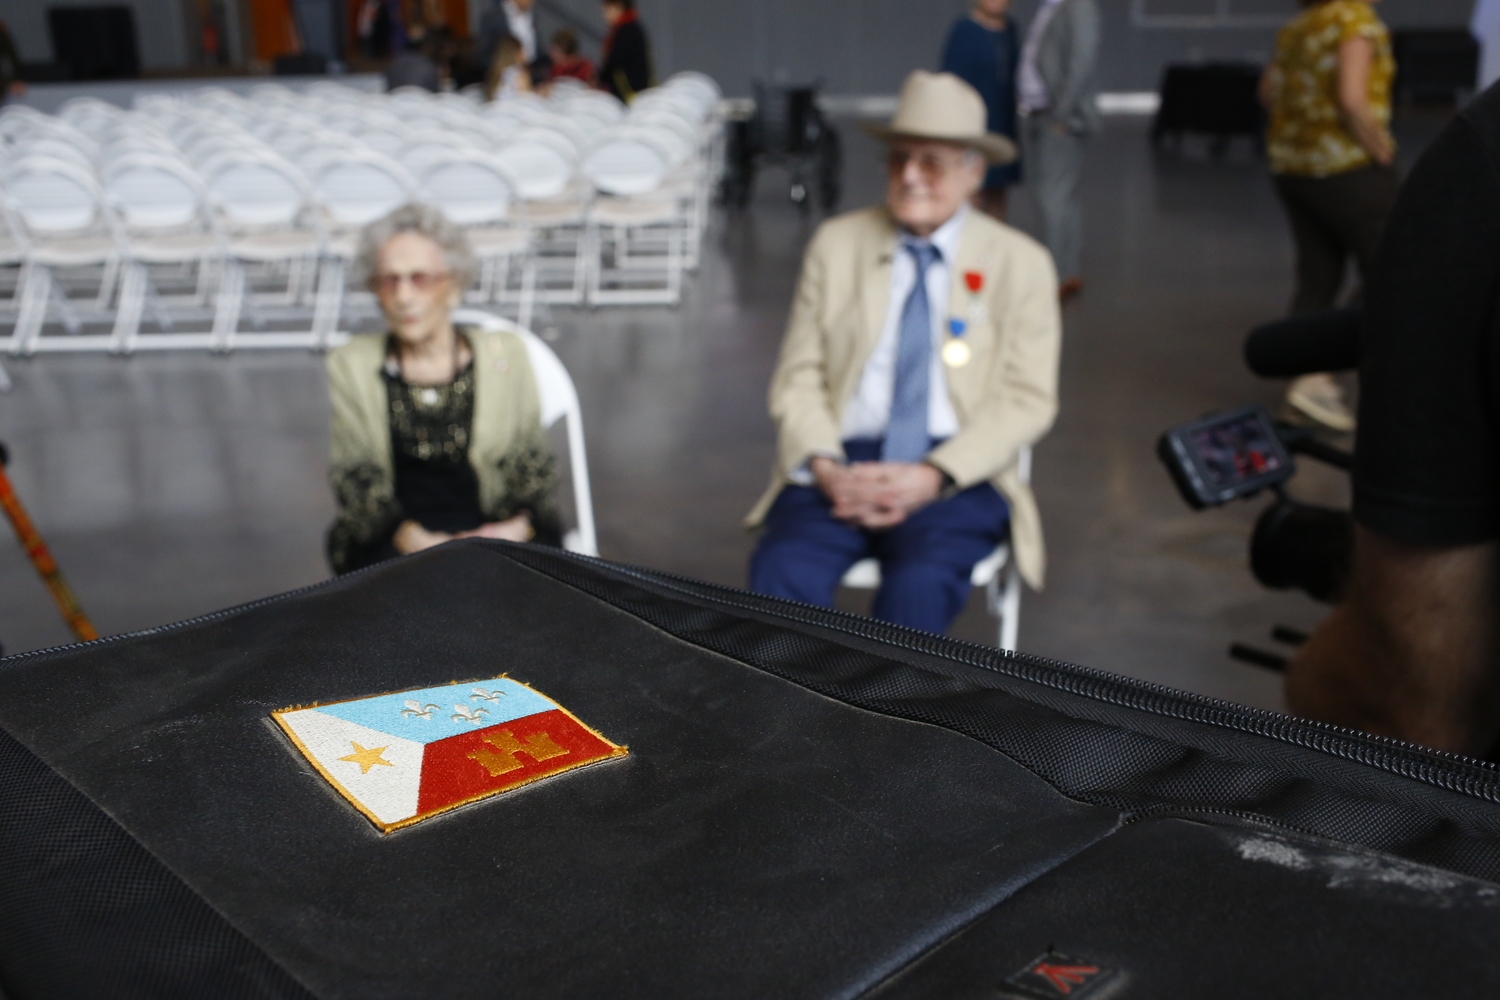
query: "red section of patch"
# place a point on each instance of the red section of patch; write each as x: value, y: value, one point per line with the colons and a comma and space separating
x: 974, y: 280
x: 499, y: 758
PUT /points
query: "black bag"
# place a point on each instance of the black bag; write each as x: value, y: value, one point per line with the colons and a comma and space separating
x: 812, y: 805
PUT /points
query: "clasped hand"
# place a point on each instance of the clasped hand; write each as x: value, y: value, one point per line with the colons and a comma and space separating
x: 876, y: 495
x: 412, y: 537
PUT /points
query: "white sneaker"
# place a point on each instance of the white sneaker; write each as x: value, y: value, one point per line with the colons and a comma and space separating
x: 1320, y: 398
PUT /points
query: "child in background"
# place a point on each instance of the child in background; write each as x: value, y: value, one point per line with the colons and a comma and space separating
x: 566, y: 61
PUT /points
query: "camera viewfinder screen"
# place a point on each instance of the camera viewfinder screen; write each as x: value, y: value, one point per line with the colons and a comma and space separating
x: 1236, y: 450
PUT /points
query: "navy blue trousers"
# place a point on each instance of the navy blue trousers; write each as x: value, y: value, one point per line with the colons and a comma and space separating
x: 925, y: 561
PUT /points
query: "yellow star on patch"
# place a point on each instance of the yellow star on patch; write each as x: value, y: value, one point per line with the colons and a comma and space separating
x: 367, y: 759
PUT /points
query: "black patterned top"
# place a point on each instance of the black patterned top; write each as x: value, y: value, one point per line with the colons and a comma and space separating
x: 435, y: 481
x: 435, y: 485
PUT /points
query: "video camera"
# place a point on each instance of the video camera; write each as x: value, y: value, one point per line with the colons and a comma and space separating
x: 1239, y: 453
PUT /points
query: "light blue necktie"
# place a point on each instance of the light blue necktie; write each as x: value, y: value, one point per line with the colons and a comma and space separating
x: 906, y: 433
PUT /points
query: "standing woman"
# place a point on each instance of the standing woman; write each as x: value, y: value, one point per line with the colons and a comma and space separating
x: 1332, y: 159
x: 626, y: 67
x: 508, y: 75
x: 436, y: 429
x: 984, y: 50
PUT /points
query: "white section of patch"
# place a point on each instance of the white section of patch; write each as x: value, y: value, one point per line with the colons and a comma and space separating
x: 388, y: 792
x: 1274, y: 852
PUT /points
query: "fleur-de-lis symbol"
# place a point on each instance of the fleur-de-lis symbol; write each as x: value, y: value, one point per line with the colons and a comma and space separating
x: 487, y: 695
x: 463, y: 713
x: 417, y: 710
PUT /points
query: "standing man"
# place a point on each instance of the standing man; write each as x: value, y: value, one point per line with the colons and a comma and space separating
x: 983, y: 50
x: 521, y: 23
x: 1059, y: 100
x: 508, y: 17
x: 919, y: 359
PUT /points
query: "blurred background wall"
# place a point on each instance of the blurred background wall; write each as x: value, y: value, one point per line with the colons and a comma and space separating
x: 854, y: 46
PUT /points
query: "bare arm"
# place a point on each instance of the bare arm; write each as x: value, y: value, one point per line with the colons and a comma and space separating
x: 1356, y: 55
x: 1270, y: 86
x: 1412, y: 651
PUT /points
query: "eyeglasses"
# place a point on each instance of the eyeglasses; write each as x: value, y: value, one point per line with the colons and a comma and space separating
x: 933, y: 164
x: 422, y: 281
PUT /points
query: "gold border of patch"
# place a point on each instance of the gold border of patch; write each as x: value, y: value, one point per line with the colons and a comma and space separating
x: 616, y: 751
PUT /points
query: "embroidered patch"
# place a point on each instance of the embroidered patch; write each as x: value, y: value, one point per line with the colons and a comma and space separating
x: 1057, y: 975
x: 404, y: 757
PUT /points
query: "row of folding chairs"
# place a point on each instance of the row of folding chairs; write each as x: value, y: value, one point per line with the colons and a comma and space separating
x: 188, y: 193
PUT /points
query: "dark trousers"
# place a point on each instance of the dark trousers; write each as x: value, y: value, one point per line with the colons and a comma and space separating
x: 1333, y: 219
x: 925, y: 561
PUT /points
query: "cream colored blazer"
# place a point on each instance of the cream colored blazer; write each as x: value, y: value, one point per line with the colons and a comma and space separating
x: 1005, y: 397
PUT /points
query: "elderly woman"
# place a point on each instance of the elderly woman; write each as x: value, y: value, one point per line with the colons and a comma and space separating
x: 436, y: 430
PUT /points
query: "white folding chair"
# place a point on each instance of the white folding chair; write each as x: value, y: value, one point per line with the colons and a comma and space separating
x: 163, y: 211
x: 318, y: 88
x: 66, y: 225
x: 12, y: 257
x: 592, y: 115
x: 675, y: 136
x: 427, y: 146
x: 540, y: 161
x: 624, y: 235
x: 702, y: 87
x: 17, y: 120
x: 471, y: 190
x: 264, y: 207
x: 578, y: 138
x: 383, y: 140
x: 45, y: 128
x: 625, y: 162
x: 358, y: 187
x: 40, y: 144
x: 660, y: 100
x: 637, y: 234
x: 352, y: 190
x: 125, y: 143
x: 90, y: 115
x: 564, y: 88
x: 997, y: 573
x: 558, y: 399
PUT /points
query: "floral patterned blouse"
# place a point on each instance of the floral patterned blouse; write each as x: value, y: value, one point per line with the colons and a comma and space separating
x: 1307, y: 137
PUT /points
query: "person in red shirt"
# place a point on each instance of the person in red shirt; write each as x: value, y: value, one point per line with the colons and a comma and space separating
x: 566, y: 60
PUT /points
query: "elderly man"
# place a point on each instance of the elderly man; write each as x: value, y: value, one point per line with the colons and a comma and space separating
x: 920, y: 358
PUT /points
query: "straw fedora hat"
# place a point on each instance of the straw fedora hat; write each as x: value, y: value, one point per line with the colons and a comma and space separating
x: 941, y: 107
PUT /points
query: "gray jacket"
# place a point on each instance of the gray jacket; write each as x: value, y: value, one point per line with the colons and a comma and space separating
x: 1067, y: 59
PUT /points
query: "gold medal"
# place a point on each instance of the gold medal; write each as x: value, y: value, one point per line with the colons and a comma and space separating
x: 956, y: 353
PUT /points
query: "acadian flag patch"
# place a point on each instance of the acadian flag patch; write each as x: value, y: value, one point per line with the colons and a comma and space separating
x: 401, y: 758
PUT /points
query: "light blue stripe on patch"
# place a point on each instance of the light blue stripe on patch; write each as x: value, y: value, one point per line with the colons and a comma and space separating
x: 425, y: 724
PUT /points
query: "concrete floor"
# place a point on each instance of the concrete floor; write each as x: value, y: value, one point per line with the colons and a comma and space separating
x: 169, y: 486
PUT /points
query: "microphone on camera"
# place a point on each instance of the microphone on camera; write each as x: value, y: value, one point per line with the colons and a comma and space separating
x: 1300, y: 345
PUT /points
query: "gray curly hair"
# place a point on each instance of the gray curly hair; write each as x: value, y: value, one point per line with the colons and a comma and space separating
x: 424, y: 220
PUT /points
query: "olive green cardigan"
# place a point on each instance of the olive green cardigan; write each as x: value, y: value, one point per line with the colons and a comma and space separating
x: 507, y: 446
